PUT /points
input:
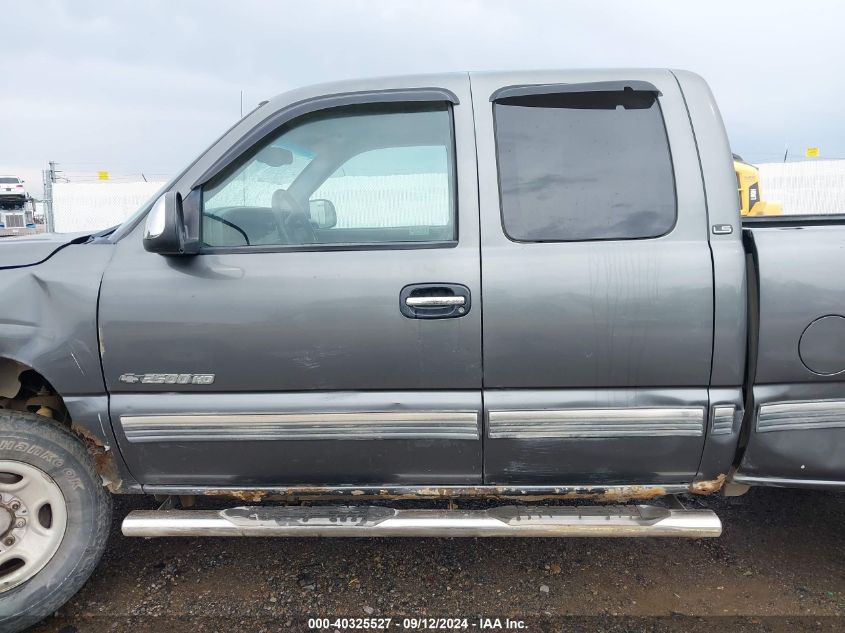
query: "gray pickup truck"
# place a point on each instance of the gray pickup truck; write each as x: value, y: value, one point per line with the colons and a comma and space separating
x: 526, y: 288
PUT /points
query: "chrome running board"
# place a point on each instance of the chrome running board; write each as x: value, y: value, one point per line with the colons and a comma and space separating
x: 514, y: 521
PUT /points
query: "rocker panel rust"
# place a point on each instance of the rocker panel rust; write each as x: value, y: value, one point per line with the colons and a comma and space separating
x: 607, y: 494
x: 604, y: 494
x: 104, y: 460
x: 708, y: 486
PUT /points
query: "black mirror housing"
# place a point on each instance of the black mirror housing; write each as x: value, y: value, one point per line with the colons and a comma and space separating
x: 166, y: 231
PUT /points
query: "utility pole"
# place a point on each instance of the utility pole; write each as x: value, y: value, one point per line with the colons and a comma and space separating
x: 50, y: 176
x: 48, y: 200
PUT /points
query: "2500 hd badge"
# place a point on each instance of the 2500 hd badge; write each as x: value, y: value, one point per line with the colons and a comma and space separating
x: 168, y: 379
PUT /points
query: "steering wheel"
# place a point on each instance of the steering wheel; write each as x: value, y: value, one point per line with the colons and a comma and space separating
x: 295, y: 222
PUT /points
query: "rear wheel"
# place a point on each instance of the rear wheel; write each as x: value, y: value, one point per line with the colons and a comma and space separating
x: 54, y: 518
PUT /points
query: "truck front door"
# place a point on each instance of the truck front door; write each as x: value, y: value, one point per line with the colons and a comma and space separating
x: 597, y: 279
x: 328, y: 332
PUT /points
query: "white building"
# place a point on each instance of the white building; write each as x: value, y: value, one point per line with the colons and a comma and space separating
x: 98, y: 205
x: 806, y: 188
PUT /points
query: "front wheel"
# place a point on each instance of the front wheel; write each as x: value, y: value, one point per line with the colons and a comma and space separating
x: 54, y: 518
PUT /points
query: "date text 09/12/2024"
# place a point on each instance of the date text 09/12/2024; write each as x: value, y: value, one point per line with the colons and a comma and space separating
x: 417, y: 624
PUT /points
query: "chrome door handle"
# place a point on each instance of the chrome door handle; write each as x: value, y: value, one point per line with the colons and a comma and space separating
x: 434, y: 302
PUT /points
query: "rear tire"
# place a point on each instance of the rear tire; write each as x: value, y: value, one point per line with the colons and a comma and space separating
x: 44, y: 465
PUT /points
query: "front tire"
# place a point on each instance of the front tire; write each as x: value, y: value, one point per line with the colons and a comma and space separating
x: 55, y: 517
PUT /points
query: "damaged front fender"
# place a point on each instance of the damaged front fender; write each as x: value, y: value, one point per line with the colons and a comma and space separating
x: 48, y: 317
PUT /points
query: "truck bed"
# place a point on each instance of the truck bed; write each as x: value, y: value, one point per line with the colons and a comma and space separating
x: 794, y: 428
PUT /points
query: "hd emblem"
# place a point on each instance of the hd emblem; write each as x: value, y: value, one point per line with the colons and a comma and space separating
x: 167, y: 379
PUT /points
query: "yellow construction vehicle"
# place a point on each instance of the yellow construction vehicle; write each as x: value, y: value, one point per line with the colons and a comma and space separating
x: 748, y: 184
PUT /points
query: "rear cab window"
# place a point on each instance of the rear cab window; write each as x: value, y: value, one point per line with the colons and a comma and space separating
x: 577, y: 166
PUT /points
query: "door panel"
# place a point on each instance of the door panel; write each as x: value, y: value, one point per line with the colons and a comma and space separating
x: 593, y: 436
x: 410, y: 437
x: 302, y: 341
x: 597, y: 351
x: 597, y: 315
x: 292, y: 321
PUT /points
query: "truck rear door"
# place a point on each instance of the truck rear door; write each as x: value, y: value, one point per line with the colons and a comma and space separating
x: 596, y: 277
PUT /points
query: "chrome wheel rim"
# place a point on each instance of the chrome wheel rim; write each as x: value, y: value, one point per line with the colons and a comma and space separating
x: 33, y: 519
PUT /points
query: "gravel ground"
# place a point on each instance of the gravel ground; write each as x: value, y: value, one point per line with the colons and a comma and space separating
x: 780, y: 566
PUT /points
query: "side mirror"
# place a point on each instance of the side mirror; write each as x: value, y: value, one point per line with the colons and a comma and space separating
x: 323, y: 213
x: 166, y: 231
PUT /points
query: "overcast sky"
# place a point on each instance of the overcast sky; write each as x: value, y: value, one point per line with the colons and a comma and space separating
x: 135, y: 87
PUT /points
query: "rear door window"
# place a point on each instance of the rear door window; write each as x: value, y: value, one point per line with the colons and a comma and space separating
x: 584, y: 166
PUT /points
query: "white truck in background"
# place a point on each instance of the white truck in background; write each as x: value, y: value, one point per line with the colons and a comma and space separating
x: 16, y: 209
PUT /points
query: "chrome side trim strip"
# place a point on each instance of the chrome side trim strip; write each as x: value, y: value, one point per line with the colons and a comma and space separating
x: 723, y: 417
x: 583, y: 423
x: 377, y: 425
x: 527, y: 521
x: 781, y: 482
x: 801, y: 416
